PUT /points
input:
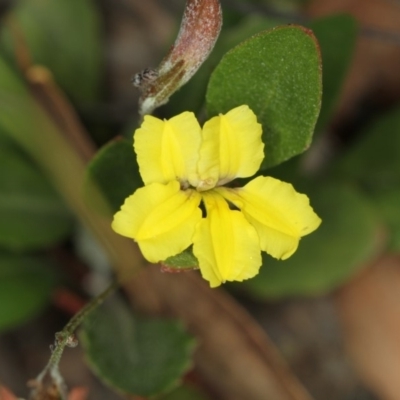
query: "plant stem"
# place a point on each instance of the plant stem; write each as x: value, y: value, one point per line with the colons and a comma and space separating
x: 66, y: 338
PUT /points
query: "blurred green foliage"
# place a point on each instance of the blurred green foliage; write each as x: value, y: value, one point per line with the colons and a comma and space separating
x: 373, y: 163
x: 63, y: 35
x: 32, y: 214
x: 26, y: 284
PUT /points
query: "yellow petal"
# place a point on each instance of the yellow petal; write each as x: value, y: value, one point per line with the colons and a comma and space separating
x: 167, y: 150
x: 225, y: 244
x: 231, y: 148
x: 160, y: 218
x: 280, y: 215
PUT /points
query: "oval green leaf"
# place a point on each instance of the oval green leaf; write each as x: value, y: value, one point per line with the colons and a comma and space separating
x: 136, y: 356
x: 277, y: 73
x: 25, y: 288
x: 32, y: 214
x: 328, y: 257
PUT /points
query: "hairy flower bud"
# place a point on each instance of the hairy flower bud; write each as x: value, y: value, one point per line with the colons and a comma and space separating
x: 201, y: 24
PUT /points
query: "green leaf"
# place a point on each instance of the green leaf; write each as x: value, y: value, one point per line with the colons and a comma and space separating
x: 32, y: 214
x: 191, y: 96
x: 184, y: 393
x: 277, y: 73
x: 136, y: 356
x: 251, y: 25
x: 25, y: 288
x: 337, y: 36
x: 183, y: 261
x: 115, y: 171
x: 328, y: 257
x: 374, y: 160
x: 63, y: 35
x: 387, y: 204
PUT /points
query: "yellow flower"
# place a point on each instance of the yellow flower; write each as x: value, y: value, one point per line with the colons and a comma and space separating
x: 183, y: 165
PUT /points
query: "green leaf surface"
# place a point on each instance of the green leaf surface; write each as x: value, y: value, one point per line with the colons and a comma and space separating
x: 387, y: 204
x: 136, y: 356
x: 374, y: 159
x: 191, y: 96
x: 250, y: 26
x: 63, y: 35
x: 277, y: 73
x: 25, y: 288
x: 115, y: 171
x: 373, y: 162
x: 183, y: 261
x: 184, y: 393
x: 32, y: 214
x: 328, y: 257
x: 337, y: 36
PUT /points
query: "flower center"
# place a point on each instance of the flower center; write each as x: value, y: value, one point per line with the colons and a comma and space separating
x: 200, y: 185
x: 206, y: 184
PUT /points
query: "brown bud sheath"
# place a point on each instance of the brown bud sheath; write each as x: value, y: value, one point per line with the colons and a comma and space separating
x: 201, y: 24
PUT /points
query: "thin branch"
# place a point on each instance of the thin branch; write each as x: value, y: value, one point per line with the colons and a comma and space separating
x: 65, y: 338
